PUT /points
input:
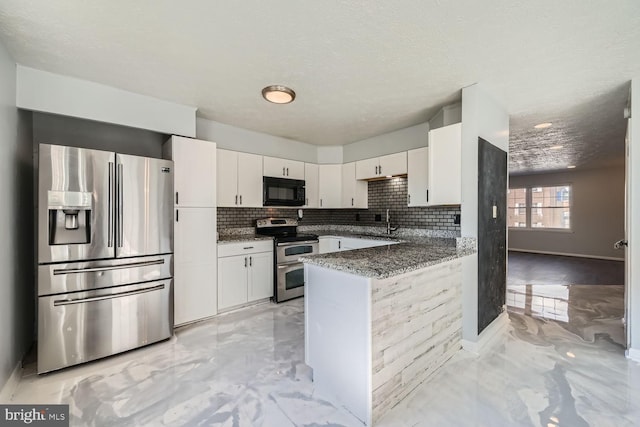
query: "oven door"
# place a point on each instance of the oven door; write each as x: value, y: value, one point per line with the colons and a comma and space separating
x: 290, y: 281
x: 291, y: 251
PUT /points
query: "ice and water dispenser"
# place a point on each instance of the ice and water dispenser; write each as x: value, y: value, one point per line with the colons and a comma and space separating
x: 69, y: 217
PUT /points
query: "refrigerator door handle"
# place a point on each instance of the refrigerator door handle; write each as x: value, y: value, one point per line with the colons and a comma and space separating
x: 120, y: 207
x: 57, y: 272
x: 110, y: 207
x: 110, y: 296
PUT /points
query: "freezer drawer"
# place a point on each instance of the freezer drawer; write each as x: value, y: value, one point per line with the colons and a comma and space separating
x: 82, y: 326
x: 84, y: 276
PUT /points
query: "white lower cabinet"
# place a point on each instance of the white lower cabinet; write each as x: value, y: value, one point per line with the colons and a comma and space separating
x: 327, y: 244
x: 260, y: 267
x: 245, y: 273
x: 330, y: 244
x: 195, y: 295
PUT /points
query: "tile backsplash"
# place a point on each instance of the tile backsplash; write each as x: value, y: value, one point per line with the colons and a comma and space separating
x: 385, y: 194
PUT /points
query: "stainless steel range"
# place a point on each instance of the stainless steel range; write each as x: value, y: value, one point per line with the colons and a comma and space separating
x: 105, y: 239
x: 288, y: 246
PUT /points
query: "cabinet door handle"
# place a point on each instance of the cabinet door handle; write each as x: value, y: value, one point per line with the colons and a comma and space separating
x: 245, y: 262
x: 376, y: 171
x: 248, y: 247
x: 250, y: 261
x: 241, y: 199
x: 236, y: 199
x: 339, y: 244
x: 408, y: 199
x: 320, y: 202
x: 427, y: 195
x: 177, y: 203
x: 380, y: 169
x: 287, y: 171
x: 352, y: 201
x: 283, y: 168
x: 177, y: 215
x: 306, y: 201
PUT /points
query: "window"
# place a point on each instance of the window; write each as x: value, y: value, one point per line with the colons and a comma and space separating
x: 516, y: 205
x: 540, y: 207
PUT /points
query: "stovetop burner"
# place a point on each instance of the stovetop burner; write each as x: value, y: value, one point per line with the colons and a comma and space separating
x: 282, y: 229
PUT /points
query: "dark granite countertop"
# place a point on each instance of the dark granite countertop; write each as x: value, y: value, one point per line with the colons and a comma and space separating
x: 386, y: 261
x: 230, y: 238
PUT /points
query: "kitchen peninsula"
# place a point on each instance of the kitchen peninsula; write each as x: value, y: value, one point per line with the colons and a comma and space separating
x: 381, y: 320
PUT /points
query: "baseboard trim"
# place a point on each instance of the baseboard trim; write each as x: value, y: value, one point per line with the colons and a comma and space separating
x: 491, y: 332
x: 633, y: 354
x: 11, y: 385
x: 608, y: 258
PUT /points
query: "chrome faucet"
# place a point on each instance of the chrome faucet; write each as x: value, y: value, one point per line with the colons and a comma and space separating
x: 389, y: 227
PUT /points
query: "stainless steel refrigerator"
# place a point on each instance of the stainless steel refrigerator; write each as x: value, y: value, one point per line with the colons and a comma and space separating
x: 105, y: 263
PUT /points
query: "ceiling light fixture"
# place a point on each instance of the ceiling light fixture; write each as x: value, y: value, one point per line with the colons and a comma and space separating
x: 556, y: 147
x: 278, y: 94
x: 543, y: 125
x: 571, y: 167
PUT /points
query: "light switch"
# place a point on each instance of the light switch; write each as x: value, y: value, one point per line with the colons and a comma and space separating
x: 495, y: 211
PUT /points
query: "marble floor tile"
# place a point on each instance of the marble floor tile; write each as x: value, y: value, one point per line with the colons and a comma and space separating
x: 561, y: 363
x: 554, y: 367
x: 241, y: 369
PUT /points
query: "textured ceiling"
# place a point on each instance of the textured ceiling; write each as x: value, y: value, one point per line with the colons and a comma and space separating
x: 360, y: 68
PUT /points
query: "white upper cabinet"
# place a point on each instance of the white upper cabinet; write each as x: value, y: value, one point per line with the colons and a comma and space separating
x: 445, y: 165
x: 354, y: 193
x: 195, y: 171
x: 283, y: 168
x: 312, y: 197
x: 367, y: 168
x: 249, y: 180
x: 227, y: 178
x: 239, y: 179
x: 418, y: 177
x: 330, y: 186
x: 392, y: 164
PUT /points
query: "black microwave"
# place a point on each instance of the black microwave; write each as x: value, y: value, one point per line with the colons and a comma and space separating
x: 282, y: 191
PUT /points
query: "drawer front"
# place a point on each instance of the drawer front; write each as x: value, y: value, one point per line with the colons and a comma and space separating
x: 244, y: 248
x: 80, y: 276
x: 83, y: 326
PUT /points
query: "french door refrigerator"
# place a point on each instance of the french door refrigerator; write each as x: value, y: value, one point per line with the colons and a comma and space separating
x: 105, y: 262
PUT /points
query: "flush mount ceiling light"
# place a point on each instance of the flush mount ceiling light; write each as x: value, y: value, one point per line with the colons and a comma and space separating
x: 278, y: 94
x: 556, y: 147
x: 571, y: 167
x: 543, y: 125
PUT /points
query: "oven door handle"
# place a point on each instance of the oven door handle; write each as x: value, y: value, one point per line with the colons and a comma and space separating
x: 290, y: 264
x: 306, y: 242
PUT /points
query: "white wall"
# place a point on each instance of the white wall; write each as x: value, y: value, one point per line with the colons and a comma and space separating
x: 238, y: 139
x: 16, y: 224
x: 53, y: 93
x: 597, y: 214
x: 633, y: 233
x: 393, y: 142
x: 482, y: 117
x: 331, y: 154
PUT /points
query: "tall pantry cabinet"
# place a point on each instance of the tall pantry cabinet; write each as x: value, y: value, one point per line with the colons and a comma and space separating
x: 194, y: 232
